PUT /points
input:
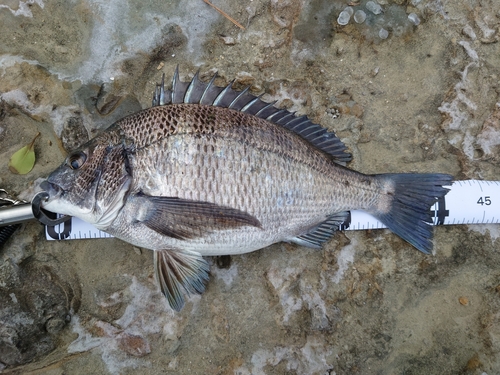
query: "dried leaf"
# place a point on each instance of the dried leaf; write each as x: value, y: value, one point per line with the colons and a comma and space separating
x: 23, y: 160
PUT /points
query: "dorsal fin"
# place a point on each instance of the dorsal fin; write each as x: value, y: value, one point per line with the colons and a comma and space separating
x: 198, y: 92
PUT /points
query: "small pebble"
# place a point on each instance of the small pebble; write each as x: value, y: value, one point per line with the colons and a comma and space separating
x: 344, y: 18
x: 349, y: 10
x: 160, y: 65
x: 463, y: 301
x: 383, y: 33
x: 413, y: 18
x: 359, y: 16
x: 374, y: 7
x: 228, y: 40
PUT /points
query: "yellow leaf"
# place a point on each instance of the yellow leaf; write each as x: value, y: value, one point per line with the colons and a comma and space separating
x: 23, y: 160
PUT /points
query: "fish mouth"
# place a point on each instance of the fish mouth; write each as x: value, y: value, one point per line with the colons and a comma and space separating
x: 51, y: 189
x: 43, y: 201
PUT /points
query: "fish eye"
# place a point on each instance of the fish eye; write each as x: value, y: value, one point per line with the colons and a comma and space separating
x: 76, y: 160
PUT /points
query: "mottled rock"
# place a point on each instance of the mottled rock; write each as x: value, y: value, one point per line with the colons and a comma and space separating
x: 74, y: 133
x: 35, y: 307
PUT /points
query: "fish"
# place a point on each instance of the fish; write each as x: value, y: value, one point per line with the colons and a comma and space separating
x: 210, y: 170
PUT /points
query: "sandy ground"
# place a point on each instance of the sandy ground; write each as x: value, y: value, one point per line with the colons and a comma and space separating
x: 425, y: 99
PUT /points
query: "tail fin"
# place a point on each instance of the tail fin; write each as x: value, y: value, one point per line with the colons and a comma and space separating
x: 411, y: 198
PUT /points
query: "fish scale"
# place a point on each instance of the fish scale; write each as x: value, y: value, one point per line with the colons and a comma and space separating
x: 210, y: 170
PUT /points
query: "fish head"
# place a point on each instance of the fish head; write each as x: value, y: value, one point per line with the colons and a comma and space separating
x: 91, y: 183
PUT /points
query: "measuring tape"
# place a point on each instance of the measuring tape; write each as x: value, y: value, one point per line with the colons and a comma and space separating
x: 467, y: 202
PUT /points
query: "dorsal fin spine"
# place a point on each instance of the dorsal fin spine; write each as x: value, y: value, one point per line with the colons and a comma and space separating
x: 256, y: 106
x: 282, y: 121
x: 250, y: 103
x: 209, y: 85
x: 175, y: 83
x: 270, y: 118
x: 162, y: 90
x: 192, y: 85
x: 238, y: 97
x: 156, y: 97
x: 219, y: 97
x: 269, y: 105
x: 307, y: 131
x: 296, y: 122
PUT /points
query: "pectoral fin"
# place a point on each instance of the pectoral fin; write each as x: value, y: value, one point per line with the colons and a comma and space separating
x: 178, y: 272
x: 186, y: 219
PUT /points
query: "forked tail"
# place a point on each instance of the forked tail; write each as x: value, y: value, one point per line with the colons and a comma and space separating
x: 406, y: 210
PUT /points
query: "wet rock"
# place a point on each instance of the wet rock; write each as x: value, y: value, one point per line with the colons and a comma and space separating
x: 35, y: 306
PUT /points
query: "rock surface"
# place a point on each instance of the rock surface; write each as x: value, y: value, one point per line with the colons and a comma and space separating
x: 368, y: 303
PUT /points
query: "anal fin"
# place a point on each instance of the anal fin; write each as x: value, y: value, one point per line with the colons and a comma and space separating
x: 179, y: 272
x: 321, y: 233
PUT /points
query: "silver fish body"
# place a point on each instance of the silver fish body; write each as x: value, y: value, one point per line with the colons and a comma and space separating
x: 215, y: 171
x: 245, y: 163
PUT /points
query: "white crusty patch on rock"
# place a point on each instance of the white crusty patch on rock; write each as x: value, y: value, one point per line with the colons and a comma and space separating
x: 124, y: 343
x: 344, y: 259
x: 312, y: 358
x: 23, y: 8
